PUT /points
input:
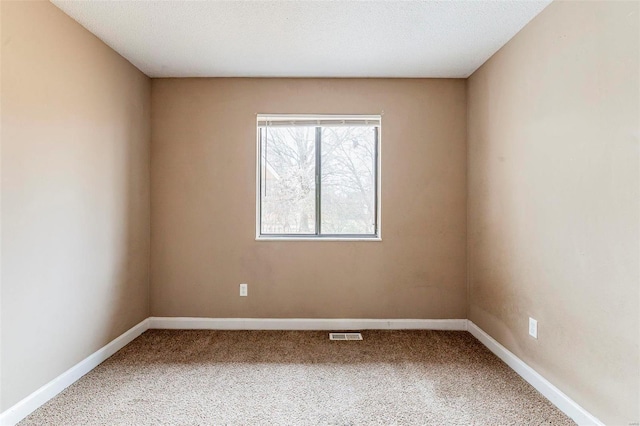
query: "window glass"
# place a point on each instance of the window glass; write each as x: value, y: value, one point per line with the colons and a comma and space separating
x: 318, y: 176
x: 288, y: 180
x: 348, y: 197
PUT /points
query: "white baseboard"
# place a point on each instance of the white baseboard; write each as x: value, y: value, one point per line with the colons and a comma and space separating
x: 29, y: 404
x: 186, y: 323
x: 552, y: 393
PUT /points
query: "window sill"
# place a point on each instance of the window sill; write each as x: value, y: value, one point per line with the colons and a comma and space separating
x: 263, y: 238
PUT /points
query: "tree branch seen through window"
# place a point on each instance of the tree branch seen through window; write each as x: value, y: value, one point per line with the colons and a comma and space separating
x: 318, y: 177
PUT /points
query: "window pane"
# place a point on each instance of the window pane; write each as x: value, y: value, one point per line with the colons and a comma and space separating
x: 348, y: 180
x: 288, y: 180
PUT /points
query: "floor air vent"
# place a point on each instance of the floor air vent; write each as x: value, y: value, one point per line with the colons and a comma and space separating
x: 345, y: 336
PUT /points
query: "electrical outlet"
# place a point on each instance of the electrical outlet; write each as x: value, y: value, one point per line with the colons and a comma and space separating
x: 533, y: 328
x: 244, y: 291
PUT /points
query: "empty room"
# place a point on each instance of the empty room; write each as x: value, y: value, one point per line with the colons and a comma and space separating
x: 319, y: 212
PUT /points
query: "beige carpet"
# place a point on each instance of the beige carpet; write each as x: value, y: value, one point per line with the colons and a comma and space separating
x: 300, y: 378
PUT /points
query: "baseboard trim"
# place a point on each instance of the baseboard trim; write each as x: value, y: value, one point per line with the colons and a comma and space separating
x: 188, y: 323
x: 552, y: 393
x: 32, y: 402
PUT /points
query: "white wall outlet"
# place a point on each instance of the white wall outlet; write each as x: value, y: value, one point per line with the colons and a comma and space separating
x: 533, y: 328
x: 244, y: 291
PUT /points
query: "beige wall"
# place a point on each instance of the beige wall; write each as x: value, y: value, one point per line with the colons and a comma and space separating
x: 553, y: 201
x: 75, y: 195
x: 204, y: 207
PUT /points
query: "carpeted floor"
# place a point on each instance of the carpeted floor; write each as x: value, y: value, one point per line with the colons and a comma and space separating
x: 300, y: 378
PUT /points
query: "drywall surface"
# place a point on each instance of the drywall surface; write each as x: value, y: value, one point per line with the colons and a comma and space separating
x: 203, y: 203
x: 75, y: 195
x: 553, y: 201
x: 304, y: 39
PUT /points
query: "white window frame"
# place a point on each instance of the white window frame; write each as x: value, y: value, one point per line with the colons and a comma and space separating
x: 377, y: 236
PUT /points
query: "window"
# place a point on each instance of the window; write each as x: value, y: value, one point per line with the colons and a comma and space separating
x: 318, y: 177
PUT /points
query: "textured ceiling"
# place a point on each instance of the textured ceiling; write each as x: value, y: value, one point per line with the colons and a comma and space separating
x: 304, y: 38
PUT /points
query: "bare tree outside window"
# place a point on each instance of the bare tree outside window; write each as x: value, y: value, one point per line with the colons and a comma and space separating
x: 288, y: 184
x: 348, y: 180
x: 318, y: 178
